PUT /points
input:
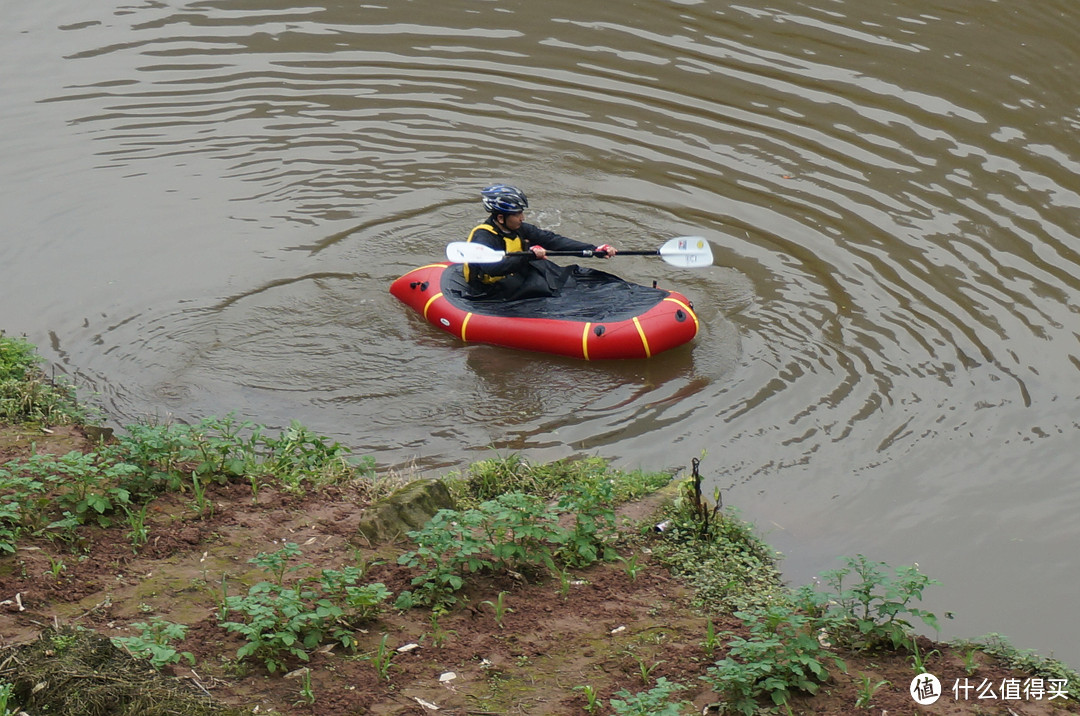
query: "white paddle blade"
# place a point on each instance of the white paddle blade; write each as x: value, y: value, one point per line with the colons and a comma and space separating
x: 687, y: 252
x: 465, y: 252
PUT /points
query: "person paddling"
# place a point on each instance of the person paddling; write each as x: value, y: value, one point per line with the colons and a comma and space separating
x: 519, y: 277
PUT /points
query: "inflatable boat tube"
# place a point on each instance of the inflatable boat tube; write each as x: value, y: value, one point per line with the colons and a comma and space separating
x: 595, y: 316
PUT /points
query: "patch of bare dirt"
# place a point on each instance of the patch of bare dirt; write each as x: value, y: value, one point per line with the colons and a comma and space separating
x: 19, y: 442
x: 605, y: 629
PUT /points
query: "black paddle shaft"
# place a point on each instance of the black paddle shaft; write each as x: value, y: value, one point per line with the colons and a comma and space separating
x: 586, y: 253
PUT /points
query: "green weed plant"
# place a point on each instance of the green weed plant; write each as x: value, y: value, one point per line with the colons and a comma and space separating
x: 284, y: 621
x: 781, y: 656
x: 589, y: 538
x: 383, y: 658
x: 918, y: 659
x: 592, y: 698
x: 1025, y: 660
x: 657, y: 701
x: 307, y: 694
x: 27, y: 395
x: 53, y: 495
x: 514, y: 532
x: 154, y: 642
x: 499, y: 607
x: 221, y: 449
x: 865, y: 607
x: 728, y: 566
x: 8, y: 707
x: 866, y: 690
x: 487, y: 479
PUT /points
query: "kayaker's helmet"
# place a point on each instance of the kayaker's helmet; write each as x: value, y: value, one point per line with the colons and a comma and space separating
x: 504, y: 199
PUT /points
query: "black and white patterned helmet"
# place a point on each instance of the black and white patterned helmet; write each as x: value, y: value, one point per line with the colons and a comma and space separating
x: 504, y: 199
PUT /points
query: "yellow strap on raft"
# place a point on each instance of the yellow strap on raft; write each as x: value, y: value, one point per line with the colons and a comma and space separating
x: 431, y: 300
x: 644, y: 340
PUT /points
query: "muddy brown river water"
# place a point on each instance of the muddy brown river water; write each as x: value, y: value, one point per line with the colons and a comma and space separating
x: 204, y: 203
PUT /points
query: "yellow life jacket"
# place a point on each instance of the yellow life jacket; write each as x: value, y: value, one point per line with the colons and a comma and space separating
x: 513, y: 243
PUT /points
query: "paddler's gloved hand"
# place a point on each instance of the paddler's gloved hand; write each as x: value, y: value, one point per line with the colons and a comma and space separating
x: 606, y: 251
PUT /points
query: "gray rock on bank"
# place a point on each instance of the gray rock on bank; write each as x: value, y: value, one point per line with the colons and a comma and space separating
x: 405, y: 510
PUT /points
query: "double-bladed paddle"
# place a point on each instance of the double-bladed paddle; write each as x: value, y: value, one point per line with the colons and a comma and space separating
x: 682, y: 251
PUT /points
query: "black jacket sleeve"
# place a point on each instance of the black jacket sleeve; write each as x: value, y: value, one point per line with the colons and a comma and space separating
x: 551, y: 241
x: 530, y: 236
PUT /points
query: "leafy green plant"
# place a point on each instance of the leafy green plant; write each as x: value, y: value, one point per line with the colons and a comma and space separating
x: 8, y: 707
x: 971, y: 661
x: 512, y: 532
x: 918, y: 660
x: 222, y: 448
x: 84, y: 485
x: 94, y: 497
x: 728, y: 566
x: 307, y: 694
x: 27, y: 395
x: 154, y: 642
x: 361, y: 602
x: 281, y: 621
x: 866, y: 607
x: 631, y: 567
x: 382, y: 659
x: 520, y: 531
x: 645, y: 672
x: 782, y: 655
x: 499, y: 607
x: 160, y: 454
x: 592, y: 505
x: 712, y: 639
x: 9, y: 531
x: 25, y: 493
x: 438, y: 634
x: 1025, y: 660
x: 592, y: 698
x: 277, y: 562
x: 298, y: 455
x: 447, y: 549
x: 54, y: 494
x: 866, y: 690
x: 654, y: 702
x: 139, y: 533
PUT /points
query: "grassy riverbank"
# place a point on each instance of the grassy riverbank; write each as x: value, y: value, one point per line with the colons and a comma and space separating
x: 220, y: 568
